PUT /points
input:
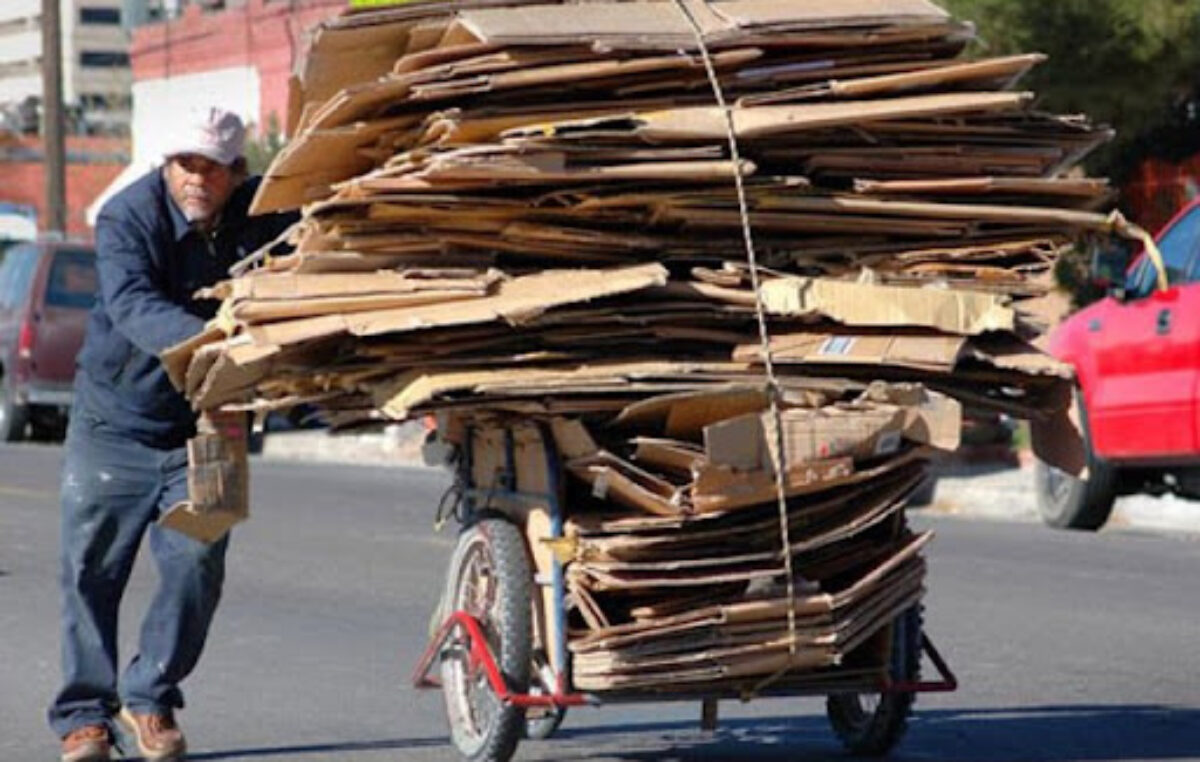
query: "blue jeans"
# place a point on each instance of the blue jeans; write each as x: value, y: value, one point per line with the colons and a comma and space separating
x: 113, y: 489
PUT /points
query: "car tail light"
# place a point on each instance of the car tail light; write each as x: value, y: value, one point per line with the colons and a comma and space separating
x: 25, y: 340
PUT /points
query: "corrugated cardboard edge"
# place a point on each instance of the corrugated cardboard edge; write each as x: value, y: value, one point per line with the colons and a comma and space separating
x: 865, y: 304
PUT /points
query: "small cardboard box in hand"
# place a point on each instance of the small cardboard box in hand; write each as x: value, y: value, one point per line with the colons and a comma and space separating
x: 218, y: 479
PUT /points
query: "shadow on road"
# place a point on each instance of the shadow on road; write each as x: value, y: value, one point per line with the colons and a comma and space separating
x: 319, y: 751
x: 1019, y: 734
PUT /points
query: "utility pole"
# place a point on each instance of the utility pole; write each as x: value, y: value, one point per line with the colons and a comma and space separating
x: 53, y: 139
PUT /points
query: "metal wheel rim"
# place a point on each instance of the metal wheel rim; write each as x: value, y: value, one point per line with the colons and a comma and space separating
x: 472, y: 705
x: 1058, y: 484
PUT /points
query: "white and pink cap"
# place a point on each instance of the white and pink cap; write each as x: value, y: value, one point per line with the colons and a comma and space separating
x: 211, y: 132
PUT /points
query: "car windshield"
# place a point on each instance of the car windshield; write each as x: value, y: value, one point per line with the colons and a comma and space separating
x: 72, y: 279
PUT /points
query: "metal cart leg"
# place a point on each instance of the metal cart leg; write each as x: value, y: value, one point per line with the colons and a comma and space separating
x: 561, y: 654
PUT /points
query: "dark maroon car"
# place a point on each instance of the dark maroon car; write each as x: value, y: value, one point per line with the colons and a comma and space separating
x: 46, y: 291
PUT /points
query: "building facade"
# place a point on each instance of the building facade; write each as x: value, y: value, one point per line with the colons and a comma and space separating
x: 95, y: 49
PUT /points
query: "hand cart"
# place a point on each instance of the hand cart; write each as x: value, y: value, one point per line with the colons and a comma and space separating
x: 500, y: 650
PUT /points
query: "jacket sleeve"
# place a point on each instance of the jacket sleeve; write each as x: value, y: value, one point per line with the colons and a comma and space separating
x: 134, y: 294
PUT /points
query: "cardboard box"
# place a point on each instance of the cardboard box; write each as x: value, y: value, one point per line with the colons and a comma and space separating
x: 218, y: 479
x: 863, y: 430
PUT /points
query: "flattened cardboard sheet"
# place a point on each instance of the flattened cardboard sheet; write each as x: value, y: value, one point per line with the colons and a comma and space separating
x: 863, y: 304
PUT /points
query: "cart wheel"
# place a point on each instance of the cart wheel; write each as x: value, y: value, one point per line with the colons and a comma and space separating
x: 489, y: 579
x: 871, y: 724
x: 542, y: 722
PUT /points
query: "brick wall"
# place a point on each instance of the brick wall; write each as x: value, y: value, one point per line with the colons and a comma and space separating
x: 93, y: 163
x: 25, y: 183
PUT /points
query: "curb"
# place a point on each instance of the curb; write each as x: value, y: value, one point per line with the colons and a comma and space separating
x: 1006, y: 493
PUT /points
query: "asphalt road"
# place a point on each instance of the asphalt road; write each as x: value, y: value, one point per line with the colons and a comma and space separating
x: 1067, y: 646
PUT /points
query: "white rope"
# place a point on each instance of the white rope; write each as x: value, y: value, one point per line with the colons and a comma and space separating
x: 774, y: 393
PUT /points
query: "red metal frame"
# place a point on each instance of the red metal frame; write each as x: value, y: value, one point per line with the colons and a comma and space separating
x: 480, y: 655
x: 946, y: 684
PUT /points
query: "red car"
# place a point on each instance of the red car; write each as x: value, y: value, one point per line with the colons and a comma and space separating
x: 46, y: 291
x: 1136, y: 355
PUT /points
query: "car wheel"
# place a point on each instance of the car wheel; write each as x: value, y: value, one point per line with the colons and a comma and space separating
x: 14, y: 417
x: 1069, y: 502
x: 47, y: 428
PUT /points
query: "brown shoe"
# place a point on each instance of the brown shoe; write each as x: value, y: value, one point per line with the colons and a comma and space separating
x: 87, y: 744
x: 159, y: 739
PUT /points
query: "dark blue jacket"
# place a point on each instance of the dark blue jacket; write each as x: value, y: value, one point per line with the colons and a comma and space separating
x: 150, y: 263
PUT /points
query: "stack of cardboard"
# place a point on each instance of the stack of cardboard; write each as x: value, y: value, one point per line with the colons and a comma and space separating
x: 518, y: 211
x: 674, y: 558
x: 456, y: 160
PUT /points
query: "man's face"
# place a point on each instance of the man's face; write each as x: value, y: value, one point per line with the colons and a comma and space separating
x: 200, y: 186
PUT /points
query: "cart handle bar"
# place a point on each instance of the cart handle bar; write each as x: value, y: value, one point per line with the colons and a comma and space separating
x: 480, y: 655
x: 946, y: 684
